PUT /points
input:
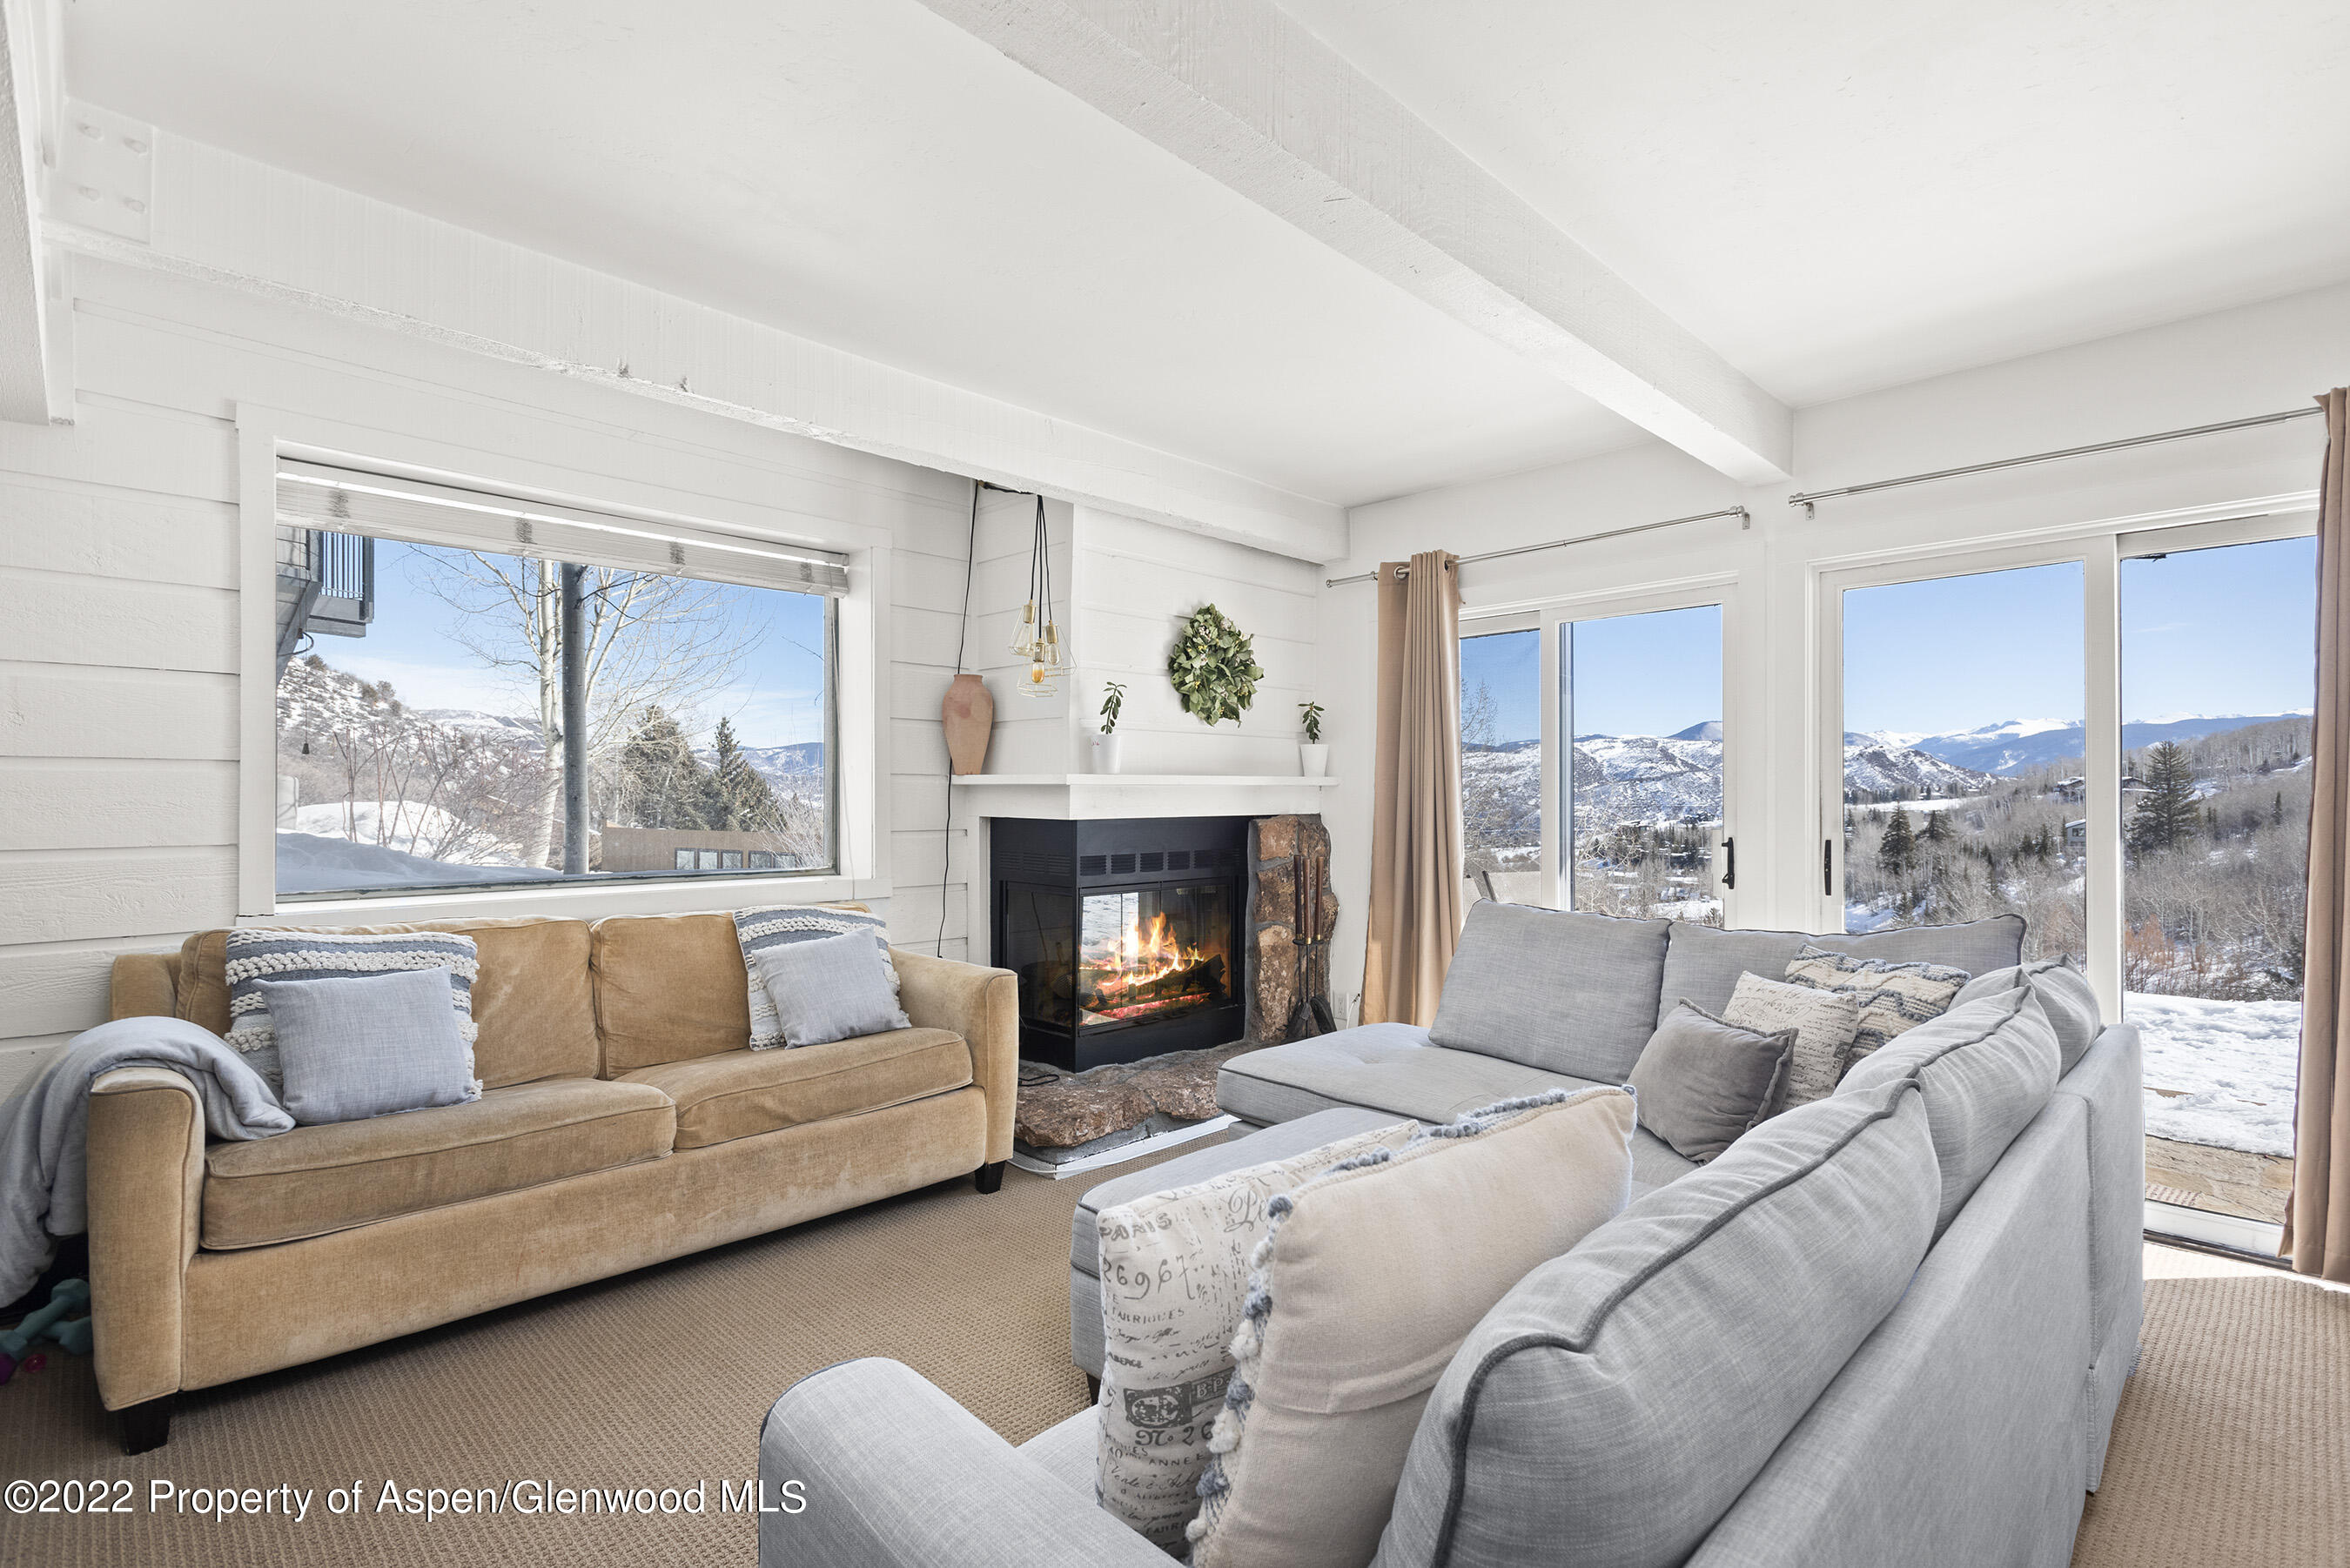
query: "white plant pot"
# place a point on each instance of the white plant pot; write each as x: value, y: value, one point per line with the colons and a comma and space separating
x: 1314, y: 761
x: 1106, y: 751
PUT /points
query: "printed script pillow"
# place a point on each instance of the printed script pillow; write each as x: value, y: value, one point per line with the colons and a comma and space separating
x: 778, y: 925
x: 1369, y: 1277
x: 1174, y: 1271
x: 1892, y: 997
x: 1823, y: 1021
x: 263, y: 954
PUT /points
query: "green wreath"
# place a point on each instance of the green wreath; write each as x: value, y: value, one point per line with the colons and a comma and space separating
x: 1213, y: 665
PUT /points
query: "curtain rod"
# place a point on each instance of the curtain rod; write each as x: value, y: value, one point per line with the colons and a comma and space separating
x: 1744, y: 521
x: 1806, y: 499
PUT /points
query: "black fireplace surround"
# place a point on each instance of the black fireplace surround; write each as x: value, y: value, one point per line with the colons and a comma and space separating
x: 1125, y: 934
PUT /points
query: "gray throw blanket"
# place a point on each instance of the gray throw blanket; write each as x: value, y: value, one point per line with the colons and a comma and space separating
x: 44, y: 1126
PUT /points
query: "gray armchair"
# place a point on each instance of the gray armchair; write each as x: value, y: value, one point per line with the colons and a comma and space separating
x: 897, y: 1475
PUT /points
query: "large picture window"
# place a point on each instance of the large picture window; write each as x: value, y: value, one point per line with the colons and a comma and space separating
x: 454, y: 715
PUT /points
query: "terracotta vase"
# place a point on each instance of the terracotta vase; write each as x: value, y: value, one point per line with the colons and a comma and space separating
x: 969, y: 715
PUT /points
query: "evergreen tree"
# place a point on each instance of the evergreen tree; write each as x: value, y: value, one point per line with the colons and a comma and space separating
x: 662, y: 784
x: 1898, y: 850
x: 1938, y: 829
x: 2168, y: 814
x: 741, y: 799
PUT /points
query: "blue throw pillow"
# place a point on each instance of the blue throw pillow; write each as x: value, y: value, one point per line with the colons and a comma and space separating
x: 829, y: 989
x: 365, y: 1045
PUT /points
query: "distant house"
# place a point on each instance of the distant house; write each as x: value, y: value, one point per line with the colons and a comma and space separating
x: 2077, y: 789
x: 2076, y: 834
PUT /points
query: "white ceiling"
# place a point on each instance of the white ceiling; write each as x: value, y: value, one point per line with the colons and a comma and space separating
x: 1837, y: 195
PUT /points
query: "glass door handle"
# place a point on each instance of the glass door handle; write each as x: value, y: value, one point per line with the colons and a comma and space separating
x: 1729, y: 863
x: 1827, y: 868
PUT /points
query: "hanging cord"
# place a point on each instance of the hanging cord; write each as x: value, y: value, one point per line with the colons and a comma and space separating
x: 963, y: 635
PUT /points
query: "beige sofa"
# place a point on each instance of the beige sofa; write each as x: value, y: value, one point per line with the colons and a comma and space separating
x: 624, y: 1120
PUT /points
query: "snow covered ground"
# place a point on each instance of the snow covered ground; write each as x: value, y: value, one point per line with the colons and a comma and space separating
x: 310, y: 862
x: 2236, y: 1063
x: 364, y: 822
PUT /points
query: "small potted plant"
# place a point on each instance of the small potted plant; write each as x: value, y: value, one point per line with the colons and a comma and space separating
x: 1313, y: 756
x: 1106, y: 743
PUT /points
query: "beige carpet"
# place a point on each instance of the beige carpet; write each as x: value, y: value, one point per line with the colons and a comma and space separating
x: 2232, y: 1448
x: 658, y: 1378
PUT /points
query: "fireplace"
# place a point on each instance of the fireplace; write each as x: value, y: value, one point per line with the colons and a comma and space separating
x: 1124, y: 933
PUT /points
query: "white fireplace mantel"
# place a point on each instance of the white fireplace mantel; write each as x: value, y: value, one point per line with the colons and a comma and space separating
x: 1087, y: 797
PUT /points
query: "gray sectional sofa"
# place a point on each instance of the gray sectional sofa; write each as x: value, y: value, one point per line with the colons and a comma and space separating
x: 1891, y: 1326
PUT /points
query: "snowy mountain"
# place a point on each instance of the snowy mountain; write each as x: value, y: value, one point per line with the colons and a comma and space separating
x: 1649, y: 778
x: 1670, y: 778
x: 2020, y: 745
x: 1871, y: 766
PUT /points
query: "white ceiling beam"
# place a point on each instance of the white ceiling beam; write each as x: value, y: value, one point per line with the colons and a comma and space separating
x: 29, y: 98
x: 1248, y: 97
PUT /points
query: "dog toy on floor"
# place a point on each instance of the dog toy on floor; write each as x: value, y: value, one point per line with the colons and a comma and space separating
x: 53, y: 1321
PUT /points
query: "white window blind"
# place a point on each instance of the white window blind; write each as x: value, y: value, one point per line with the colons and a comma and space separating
x: 352, y: 501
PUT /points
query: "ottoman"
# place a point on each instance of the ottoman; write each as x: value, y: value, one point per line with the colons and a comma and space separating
x: 1259, y: 1148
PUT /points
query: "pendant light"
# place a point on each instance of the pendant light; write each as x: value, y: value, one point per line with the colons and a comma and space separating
x: 1037, y: 635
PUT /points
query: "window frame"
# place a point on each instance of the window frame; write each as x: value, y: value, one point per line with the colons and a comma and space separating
x: 856, y: 720
x: 1553, y: 615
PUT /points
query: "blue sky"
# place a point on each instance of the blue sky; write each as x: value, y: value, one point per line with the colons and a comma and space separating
x: 2225, y: 630
x: 776, y: 698
x: 1633, y: 675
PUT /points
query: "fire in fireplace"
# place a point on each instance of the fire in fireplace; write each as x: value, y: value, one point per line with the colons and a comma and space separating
x: 1134, y: 961
x: 1122, y: 934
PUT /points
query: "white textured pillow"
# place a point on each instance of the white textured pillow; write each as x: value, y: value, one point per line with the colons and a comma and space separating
x: 1367, y: 1280
x: 1892, y: 997
x: 1825, y: 1023
x: 1174, y: 1271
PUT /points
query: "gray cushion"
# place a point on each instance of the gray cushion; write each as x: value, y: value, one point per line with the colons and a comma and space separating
x: 832, y: 988
x: 365, y: 1045
x: 1208, y: 1161
x: 1553, y: 989
x: 1702, y: 1083
x: 1703, y: 963
x: 1986, y: 1068
x: 1391, y: 1067
x: 2064, y: 994
x: 1613, y: 1405
x: 1977, y: 947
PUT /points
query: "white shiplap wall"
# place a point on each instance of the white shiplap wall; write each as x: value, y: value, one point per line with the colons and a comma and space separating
x: 1136, y: 581
x: 119, y: 547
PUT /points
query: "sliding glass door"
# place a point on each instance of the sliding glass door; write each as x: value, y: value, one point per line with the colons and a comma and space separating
x: 2166, y: 847
x: 2217, y: 660
x: 1640, y: 705
x: 1962, y: 777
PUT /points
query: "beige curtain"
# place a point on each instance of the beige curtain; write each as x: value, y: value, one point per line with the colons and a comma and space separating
x: 2317, y: 1216
x: 1416, y: 899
